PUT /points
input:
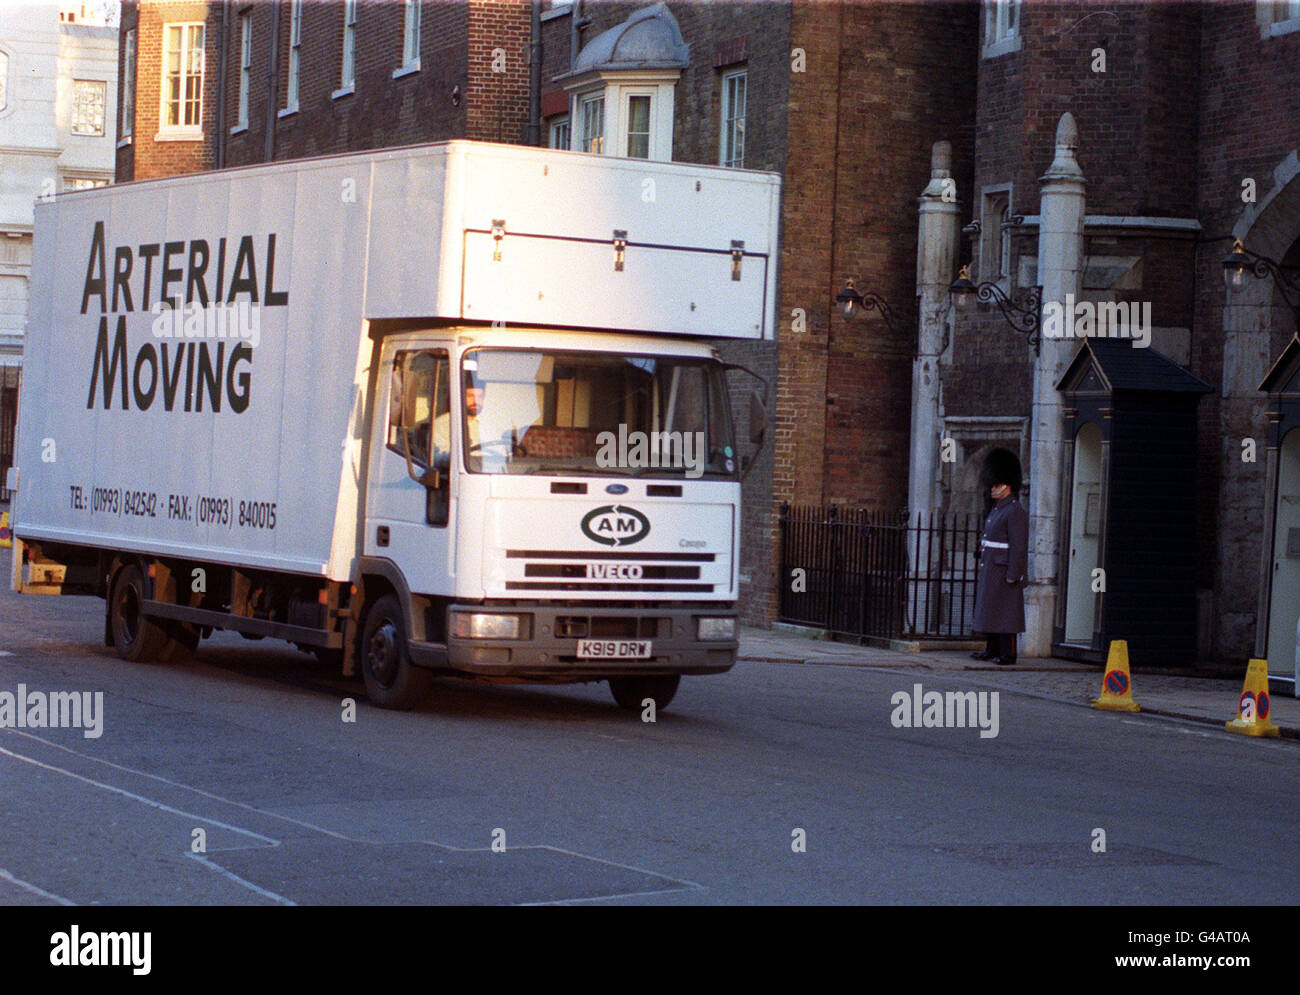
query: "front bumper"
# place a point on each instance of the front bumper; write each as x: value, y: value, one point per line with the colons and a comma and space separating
x: 551, y: 651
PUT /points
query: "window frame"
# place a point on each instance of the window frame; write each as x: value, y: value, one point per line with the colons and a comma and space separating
x: 77, y: 89
x: 294, y: 71
x: 727, y: 119
x: 245, y: 69
x: 559, y: 121
x: 348, y: 71
x: 585, y: 101
x: 627, y: 95
x: 1003, y: 20
x: 412, y: 19
x: 995, y: 243
x: 126, y: 119
x: 181, y: 130
x: 1279, y: 17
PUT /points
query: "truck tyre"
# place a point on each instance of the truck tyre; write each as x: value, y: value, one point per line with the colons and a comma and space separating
x: 391, y: 680
x: 135, y: 636
x: 631, y: 692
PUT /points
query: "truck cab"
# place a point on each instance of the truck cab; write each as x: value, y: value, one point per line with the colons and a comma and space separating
x: 560, y: 506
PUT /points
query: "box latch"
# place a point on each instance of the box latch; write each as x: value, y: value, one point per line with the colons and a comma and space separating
x: 737, y: 254
x: 498, y: 235
x: 620, y: 247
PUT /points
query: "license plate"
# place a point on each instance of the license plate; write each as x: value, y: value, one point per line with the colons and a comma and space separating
x: 614, y: 649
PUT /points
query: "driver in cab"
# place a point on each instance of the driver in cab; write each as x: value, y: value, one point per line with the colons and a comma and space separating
x: 474, y: 398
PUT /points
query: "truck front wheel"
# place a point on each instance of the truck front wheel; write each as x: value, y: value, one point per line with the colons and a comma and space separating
x: 631, y: 692
x: 391, y: 680
x: 136, y: 636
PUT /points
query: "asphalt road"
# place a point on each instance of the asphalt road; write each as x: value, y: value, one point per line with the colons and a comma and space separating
x: 247, y: 743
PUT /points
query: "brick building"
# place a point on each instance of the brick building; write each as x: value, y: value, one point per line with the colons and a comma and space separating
x: 844, y: 100
x: 1185, y: 127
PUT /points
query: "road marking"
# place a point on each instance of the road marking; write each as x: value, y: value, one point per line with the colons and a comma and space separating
x: 186, y: 787
x: 231, y: 875
x: 5, y: 653
x: 28, y: 886
x: 140, y: 798
x: 680, y: 883
x: 609, y: 898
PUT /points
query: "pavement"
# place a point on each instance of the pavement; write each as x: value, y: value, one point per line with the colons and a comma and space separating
x: 1211, y: 700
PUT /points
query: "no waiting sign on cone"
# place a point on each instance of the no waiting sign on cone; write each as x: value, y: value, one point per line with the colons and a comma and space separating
x: 1254, y: 704
x: 1116, y: 684
x: 6, y: 533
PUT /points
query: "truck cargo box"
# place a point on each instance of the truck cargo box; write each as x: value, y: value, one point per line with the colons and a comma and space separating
x: 234, y: 433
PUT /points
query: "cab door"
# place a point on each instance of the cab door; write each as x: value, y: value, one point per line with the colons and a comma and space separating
x: 408, y: 497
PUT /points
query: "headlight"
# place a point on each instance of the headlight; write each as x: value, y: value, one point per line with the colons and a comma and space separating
x: 716, y: 628
x: 476, y: 625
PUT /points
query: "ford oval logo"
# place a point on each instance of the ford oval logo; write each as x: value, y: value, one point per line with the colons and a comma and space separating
x: 615, y: 525
x: 616, y: 489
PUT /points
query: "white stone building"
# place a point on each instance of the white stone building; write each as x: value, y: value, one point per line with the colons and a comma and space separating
x: 58, y: 131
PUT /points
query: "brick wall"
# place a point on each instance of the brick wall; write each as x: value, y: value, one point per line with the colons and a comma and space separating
x: 1249, y: 121
x: 497, y: 92
x: 148, y: 156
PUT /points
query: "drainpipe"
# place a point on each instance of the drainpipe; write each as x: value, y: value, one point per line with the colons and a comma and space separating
x: 272, y: 83
x: 222, y: 69
x: 575, y: 32
x: 535, y: 77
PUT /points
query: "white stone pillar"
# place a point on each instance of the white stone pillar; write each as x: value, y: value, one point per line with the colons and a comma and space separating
x: 936, y: 255
x: 1060, y: 272
x: 936, y: 258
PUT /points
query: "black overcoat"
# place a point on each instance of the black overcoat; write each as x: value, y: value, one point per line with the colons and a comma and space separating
x: 1004, y: 561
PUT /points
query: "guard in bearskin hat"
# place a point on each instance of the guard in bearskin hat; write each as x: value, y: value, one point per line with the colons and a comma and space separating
x: 1004, y: 560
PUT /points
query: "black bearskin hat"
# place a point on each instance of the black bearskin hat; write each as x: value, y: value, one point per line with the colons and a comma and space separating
x: 1002, y: 466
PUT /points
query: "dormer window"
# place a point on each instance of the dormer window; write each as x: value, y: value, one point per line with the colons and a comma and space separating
x: 622, y: 85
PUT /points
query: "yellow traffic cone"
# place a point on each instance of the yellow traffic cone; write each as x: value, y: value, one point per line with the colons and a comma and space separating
x: 6, y: 534
x: 1116, y: 685
x: 1254, y: 705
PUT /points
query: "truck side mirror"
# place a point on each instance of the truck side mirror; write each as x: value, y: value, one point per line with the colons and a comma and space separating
x: 757, y: 418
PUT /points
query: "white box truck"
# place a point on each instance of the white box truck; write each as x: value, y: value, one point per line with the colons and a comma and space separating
x: 448, y: 408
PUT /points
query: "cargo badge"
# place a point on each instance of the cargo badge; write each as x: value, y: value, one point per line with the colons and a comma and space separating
x: 615, y: 525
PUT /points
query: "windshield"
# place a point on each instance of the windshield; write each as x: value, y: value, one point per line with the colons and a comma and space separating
x: 529, y: 411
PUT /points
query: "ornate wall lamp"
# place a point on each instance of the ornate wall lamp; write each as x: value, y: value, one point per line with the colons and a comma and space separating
x: 1241, y: 261
x: 1025, y: 315
x: 853, y: 304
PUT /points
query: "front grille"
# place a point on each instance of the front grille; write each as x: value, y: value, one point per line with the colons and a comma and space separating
x: 578, y: 571
x: 606, y: 627
x: 523, y: 585
x: 651, y: 573
x: 568, y: 554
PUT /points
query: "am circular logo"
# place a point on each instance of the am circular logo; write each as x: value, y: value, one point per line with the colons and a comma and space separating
x: 615, y: 525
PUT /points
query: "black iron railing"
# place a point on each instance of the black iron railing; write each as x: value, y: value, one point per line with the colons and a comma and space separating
x: 9, y: 376
x: 873, y: 573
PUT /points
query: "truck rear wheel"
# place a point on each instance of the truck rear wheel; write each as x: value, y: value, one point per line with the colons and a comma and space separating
x: 631, y: 692
x: 136, y: 636
x: 391, y: 680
